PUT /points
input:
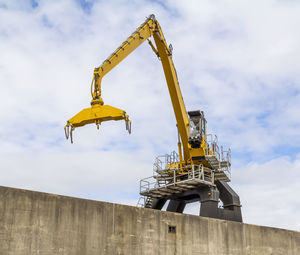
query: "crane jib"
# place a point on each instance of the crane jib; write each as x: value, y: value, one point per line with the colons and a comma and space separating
x: 91, y: 115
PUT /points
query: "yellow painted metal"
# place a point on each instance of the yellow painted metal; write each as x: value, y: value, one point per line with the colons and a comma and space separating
x: 142, y: 33
x: 180, y: 154
x: 149, y: 28
x: 96, y: 114
x: 174, y: 90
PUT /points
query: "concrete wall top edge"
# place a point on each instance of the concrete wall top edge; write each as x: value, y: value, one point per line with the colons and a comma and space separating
x: 129, y: 206
x: 38, y: 223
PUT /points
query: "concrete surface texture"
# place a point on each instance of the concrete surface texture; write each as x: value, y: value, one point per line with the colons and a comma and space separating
x: 37, y: 223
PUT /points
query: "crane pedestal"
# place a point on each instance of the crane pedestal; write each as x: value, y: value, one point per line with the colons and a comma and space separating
x: 192, y: 183
x: 209, y: 197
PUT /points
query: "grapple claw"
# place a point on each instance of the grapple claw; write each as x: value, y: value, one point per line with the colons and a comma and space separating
x: 96, y: 114
x: 128, y: 124
x: 67, y: 130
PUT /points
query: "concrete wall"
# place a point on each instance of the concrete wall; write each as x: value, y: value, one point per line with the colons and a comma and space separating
x: 44, y: 224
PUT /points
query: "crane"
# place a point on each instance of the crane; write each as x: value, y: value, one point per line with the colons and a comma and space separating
x: 198, y: 171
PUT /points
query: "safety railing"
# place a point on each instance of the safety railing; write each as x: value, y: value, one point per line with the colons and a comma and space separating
x: 212, y: 145
x: 161, y: 162
x: 225, y: 155
x: 193, y: 175
x: 141, y: 202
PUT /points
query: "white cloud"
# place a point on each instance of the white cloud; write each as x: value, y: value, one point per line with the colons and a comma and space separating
x: 237, y: 61
x: 269, y: 192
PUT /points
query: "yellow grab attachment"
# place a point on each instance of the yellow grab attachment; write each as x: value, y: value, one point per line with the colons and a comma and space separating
x: 96, y: 114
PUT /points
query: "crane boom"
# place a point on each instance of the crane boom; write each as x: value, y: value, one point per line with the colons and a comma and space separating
x: 149, y: 28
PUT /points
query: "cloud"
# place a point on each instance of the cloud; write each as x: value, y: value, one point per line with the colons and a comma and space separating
x: 236, y: 61
x: 270, y: 192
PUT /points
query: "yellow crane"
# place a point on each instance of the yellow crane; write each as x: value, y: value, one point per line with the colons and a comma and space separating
x: 193, y: 146
x: 194, y: 149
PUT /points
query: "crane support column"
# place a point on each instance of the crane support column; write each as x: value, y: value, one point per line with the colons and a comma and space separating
x: 209, y: 198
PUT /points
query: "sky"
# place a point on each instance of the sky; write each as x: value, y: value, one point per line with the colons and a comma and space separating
x: 238, y: 61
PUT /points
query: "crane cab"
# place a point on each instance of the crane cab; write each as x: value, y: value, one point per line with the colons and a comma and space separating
x: 197, y: 128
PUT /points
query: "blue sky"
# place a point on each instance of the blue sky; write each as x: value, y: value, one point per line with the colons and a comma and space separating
x: 236, y: 61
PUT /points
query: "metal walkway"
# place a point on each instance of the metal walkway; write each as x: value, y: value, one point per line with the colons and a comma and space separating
x: 169, y: 181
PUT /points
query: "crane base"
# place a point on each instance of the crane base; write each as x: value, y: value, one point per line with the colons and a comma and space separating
x: 209, y: 197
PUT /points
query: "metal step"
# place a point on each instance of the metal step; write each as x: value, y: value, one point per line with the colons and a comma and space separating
x: 222, y: 176
x: 220, y: 167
